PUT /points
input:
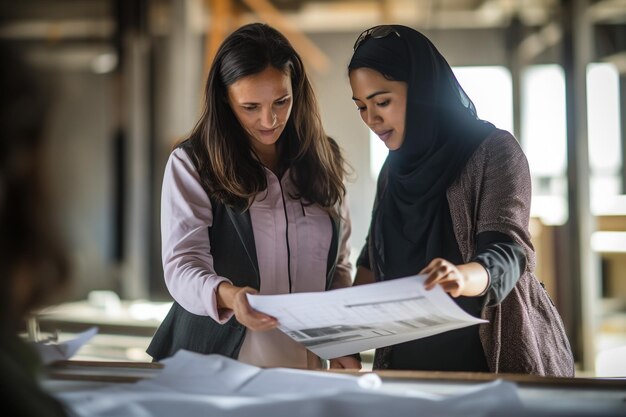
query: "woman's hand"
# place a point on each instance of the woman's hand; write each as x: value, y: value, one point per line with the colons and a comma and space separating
x: 345, y: 362
x: 234, y: 298
x: 363, y: 276
x: 446, y: 274
x: 469, y: 279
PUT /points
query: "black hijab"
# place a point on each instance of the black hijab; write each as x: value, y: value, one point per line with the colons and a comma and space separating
x: 442, y: 131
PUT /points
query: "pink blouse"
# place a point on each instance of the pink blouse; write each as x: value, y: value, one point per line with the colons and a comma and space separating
x: 292, y: 243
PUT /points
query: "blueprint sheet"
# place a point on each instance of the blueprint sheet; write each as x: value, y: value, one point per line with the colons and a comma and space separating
x: 350, y: 320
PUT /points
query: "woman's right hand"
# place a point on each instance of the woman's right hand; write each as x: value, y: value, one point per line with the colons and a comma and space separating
x: 234, y: 298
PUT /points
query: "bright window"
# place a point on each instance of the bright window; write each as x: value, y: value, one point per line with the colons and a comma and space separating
x: 605, y: 150
x: 491, y: 91
x: 544, y: 139
x: 543, y: 121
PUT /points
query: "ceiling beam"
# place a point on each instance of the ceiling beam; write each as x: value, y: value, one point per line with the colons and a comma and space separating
x: 309, y: 51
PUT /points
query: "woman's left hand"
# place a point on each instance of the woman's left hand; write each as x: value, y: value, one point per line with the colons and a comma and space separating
x: 345, y: 362
x: 446, y: 274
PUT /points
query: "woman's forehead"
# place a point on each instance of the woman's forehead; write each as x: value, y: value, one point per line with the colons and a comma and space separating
x: 270, y: 83
x: 367, y: 82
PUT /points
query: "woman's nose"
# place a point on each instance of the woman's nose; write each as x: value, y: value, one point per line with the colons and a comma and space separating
x: 372, y: 117
x: 269, y: 119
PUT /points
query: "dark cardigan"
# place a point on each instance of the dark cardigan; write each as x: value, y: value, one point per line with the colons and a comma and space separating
x: 525, y: 333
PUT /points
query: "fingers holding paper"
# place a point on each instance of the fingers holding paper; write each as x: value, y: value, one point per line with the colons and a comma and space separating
x: 345, y: 362
x: 445, y: 274
x: 469, y: 280
x: 235, y: 298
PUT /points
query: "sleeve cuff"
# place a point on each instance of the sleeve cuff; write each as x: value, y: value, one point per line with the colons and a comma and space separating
x: 488, y: 286
x: 220, y: 315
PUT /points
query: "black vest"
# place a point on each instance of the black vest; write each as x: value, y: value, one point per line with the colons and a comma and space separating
x: 234, y: 257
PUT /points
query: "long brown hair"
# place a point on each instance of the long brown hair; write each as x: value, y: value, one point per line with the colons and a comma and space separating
x: 220, y: 146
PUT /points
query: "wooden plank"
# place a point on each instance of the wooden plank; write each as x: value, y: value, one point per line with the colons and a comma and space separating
x: 221, y: 18
x: 603, y: 383
x: 611, y: 223
x: 123, y: 372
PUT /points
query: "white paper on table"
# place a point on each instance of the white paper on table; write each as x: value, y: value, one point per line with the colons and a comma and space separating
x: 194, y: 373
x: 190, y: 380
x: 193, y: 385
x: 349, y: 320
x: 52, y: 352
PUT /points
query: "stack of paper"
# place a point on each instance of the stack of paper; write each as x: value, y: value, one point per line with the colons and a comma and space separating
x: 194, y: 385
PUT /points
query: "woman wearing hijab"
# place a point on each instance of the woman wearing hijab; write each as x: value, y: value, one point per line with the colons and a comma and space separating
x: 453, y: 203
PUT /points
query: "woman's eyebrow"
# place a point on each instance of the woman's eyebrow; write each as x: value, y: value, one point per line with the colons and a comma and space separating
x: 373, y: 95
x: 250, y: 103
x: 283, y: 97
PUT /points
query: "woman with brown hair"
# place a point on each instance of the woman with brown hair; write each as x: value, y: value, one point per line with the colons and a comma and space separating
x: 252, y: 202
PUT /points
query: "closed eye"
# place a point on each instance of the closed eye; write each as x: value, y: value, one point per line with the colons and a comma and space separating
x: 383, y: 103
x: 359, y: 105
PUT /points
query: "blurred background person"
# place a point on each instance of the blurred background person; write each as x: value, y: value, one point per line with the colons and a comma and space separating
x: 33, y: 267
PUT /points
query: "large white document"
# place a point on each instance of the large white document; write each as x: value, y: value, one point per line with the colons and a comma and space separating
x: 350, y: 320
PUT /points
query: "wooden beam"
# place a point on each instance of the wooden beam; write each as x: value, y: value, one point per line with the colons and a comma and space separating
x: 221, y: 18
x: 309, y: 51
